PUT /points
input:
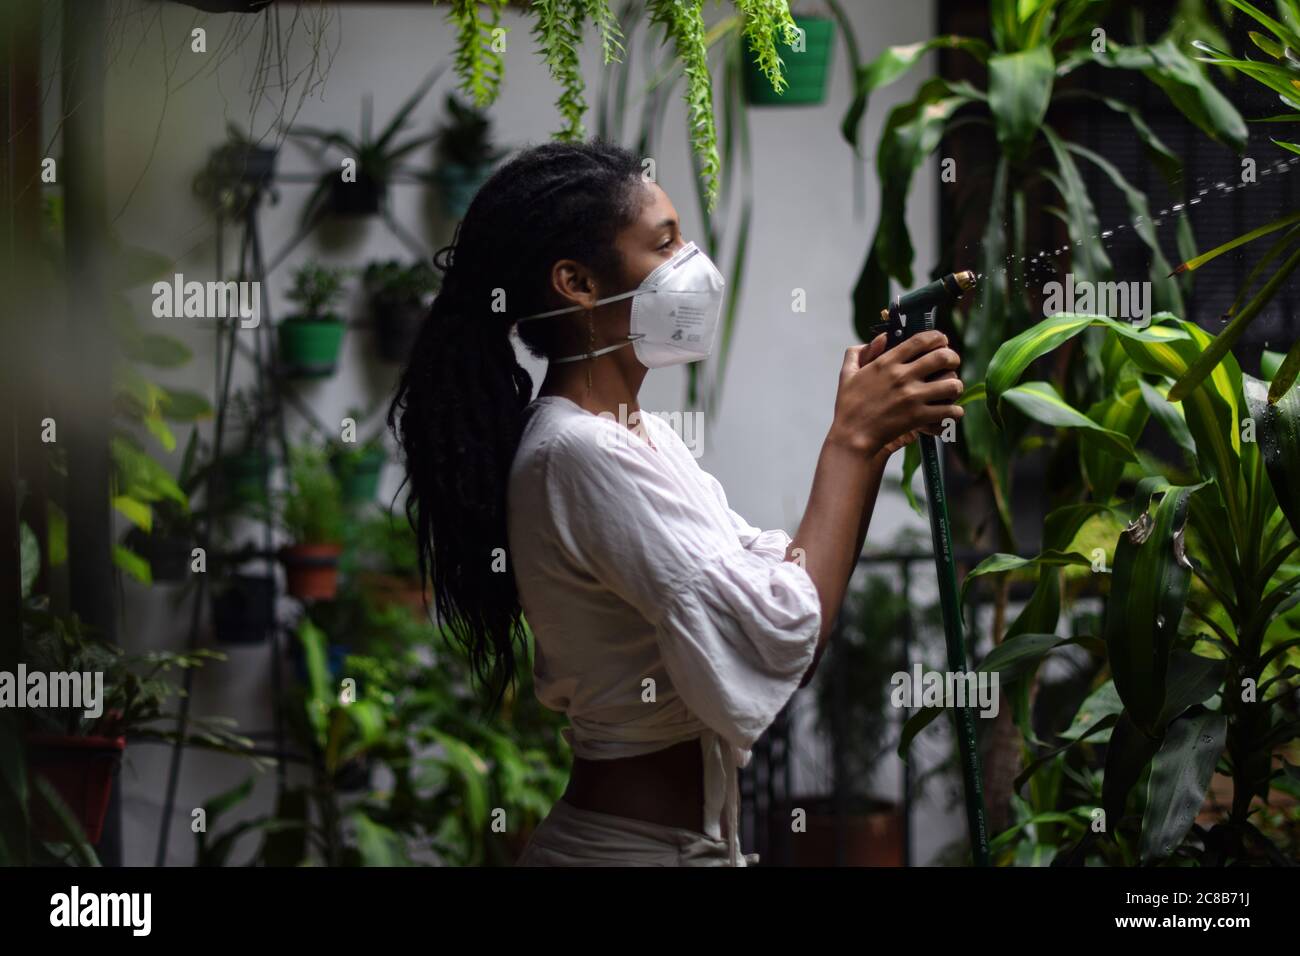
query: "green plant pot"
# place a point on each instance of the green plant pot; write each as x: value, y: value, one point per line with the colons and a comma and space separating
x: 457, y: 185
x: 244, y: 477
x: 309, y: 348
x: 805, y: 73
x: 359, y: 475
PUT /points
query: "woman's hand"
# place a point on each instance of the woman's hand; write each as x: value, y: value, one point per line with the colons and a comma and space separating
x: 886, y: 396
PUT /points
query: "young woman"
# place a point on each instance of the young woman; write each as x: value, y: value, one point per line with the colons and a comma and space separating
x: 669, y: 630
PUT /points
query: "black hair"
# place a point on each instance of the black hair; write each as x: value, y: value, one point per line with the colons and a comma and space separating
x: 458, y: 409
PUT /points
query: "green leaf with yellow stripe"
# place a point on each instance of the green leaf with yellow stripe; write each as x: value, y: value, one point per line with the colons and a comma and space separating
x: 1041, y: 402
x: 1277, y: 429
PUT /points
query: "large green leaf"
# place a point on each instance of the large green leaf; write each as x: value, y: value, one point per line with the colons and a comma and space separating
x: 1180, y: 774
x: 1278, y: 433
x: 1125, y: 414
x: 1041, y: 402
x: 1020, y: 88
x: 1148, y: 591
x: 911, y: 134
x: 1016, y: 354
x: 893, y: 63
x: 1128, y: 752
x: 1189, y: 89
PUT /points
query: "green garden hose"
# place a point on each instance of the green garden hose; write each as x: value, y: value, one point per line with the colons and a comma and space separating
x: 910, y: 314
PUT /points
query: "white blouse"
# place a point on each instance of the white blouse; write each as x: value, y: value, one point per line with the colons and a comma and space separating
x: 659, y: 615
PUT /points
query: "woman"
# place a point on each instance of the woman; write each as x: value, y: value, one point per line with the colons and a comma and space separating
x: 669, y: 630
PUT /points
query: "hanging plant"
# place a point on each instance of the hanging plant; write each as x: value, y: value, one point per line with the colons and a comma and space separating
x: 559, y: 33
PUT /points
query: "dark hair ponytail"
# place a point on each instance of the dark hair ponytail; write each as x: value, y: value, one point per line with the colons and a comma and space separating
x: 458, y: 410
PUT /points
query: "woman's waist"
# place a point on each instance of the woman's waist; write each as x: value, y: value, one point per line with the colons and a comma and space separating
x: 666, y: 786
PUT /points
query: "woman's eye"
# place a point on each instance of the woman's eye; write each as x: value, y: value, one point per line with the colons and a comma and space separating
x: 666, y: 244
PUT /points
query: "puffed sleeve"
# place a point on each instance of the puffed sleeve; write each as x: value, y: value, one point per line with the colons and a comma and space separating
x: 772, y: 544
x: 737, y: 630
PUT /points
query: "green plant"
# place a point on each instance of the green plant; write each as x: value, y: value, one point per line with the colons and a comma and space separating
x: 1282, y: 75
x: 312, y: 510
x: 315, y: 289
x: 377, y: 158
x: 385, y: 540
x: 1200, y: 633
x: 234, y: 174
x: 465, y: 139
x: 1030, y: 83
x: 390, y: 283
x: 558, y: 31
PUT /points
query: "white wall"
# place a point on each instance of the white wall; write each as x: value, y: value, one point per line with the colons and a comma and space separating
x: 783, y: 369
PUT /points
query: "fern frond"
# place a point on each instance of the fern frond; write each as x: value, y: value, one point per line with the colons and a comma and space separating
x: 611, y: 32
x: 559, y: 35
x: 479, y: 66
x: 763, y: 18
x: 683, y: 22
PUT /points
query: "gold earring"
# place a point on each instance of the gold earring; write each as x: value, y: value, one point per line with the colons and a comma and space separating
x: 591, y: 347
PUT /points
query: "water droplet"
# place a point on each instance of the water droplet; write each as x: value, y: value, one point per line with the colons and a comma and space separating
x: 1160, y: 621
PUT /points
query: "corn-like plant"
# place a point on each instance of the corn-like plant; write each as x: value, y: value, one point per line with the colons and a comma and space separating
x: 1200, y: 633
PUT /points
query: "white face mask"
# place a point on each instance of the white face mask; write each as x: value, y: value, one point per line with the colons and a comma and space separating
x: 674, y: 313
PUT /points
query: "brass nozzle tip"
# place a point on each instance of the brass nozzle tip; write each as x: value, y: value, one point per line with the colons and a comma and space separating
x: 884, y: 315
x: 965, y: 280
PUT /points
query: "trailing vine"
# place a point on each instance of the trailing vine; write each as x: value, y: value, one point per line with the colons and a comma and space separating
x: 558, y: 31
x: 480, y: 63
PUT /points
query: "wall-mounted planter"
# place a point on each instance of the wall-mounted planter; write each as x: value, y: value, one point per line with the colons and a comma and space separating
x: 365, y: 197
x: 168, y: 554
x: 397, y: 326
x: 309, y: 348
x: 244, y: 477
x: 312, y: 570
x: 870, y: 833
x: 248, y: 164
x: 244, y: 611
x: 359, y: 475
x: 805, y: 72
x: 80, y: 770
x: 457, y: 183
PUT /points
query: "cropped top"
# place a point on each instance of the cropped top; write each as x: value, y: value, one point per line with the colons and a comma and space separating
x: 659, y: 615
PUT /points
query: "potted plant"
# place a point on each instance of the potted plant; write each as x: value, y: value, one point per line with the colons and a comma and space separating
x: 376, y: 159
x: 805, y: 66
x: 400, y: 297
x: 243, y: 610
x: 313, y: 516
x: 74, y: 754
x: 390, y: 567
x: 358, y: 465
x: 311, y: 337
x: 244, y: 472
x: 169, y: 542
x: 853, y: 710
x: 236, y: 173
x: 465, y: 155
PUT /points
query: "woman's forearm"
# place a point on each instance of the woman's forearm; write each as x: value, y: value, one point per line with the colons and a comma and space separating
x: 827, y: 540
x: 834, y: 527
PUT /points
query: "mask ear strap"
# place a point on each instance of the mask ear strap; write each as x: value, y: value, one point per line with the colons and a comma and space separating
x: 598, y: 352
x: 578, y: 308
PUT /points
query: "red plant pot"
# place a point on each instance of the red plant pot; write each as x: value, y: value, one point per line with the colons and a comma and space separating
x: 312, y: 570
x: 80, y: 769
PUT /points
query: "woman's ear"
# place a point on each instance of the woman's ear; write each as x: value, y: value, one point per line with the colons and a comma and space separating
x: 574, y: 283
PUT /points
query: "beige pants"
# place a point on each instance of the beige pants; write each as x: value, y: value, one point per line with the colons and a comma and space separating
x: 571, y: 836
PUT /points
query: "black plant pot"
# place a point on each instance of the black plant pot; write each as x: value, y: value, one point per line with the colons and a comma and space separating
x: 168, y: 554
x: 361, y: 198
x: 250, y: 165
x: 397, y: 324
x: 244, y: 613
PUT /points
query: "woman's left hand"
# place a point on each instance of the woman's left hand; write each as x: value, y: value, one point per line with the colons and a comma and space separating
x: 902, y: 441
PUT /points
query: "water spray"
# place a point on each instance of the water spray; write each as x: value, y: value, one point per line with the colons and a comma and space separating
x: 910, y: 314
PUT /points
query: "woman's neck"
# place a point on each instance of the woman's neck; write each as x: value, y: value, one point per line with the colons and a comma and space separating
x: 614, y: 383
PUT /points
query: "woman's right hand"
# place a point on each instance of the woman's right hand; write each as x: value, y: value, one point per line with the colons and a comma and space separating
x: 884, y: 394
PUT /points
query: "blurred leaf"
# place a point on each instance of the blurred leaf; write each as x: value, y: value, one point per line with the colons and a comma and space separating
x: 1180, y: 775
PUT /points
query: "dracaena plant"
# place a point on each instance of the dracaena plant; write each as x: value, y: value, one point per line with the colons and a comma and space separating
x: 1199, y: 639
x: 1274, y: 266
x: 1027, y: 82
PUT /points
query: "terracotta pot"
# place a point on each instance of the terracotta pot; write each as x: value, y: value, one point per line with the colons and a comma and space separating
x: 312, y: 570
x: 872, y: 833
x: 80, y: 769
x: 394, y: 589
